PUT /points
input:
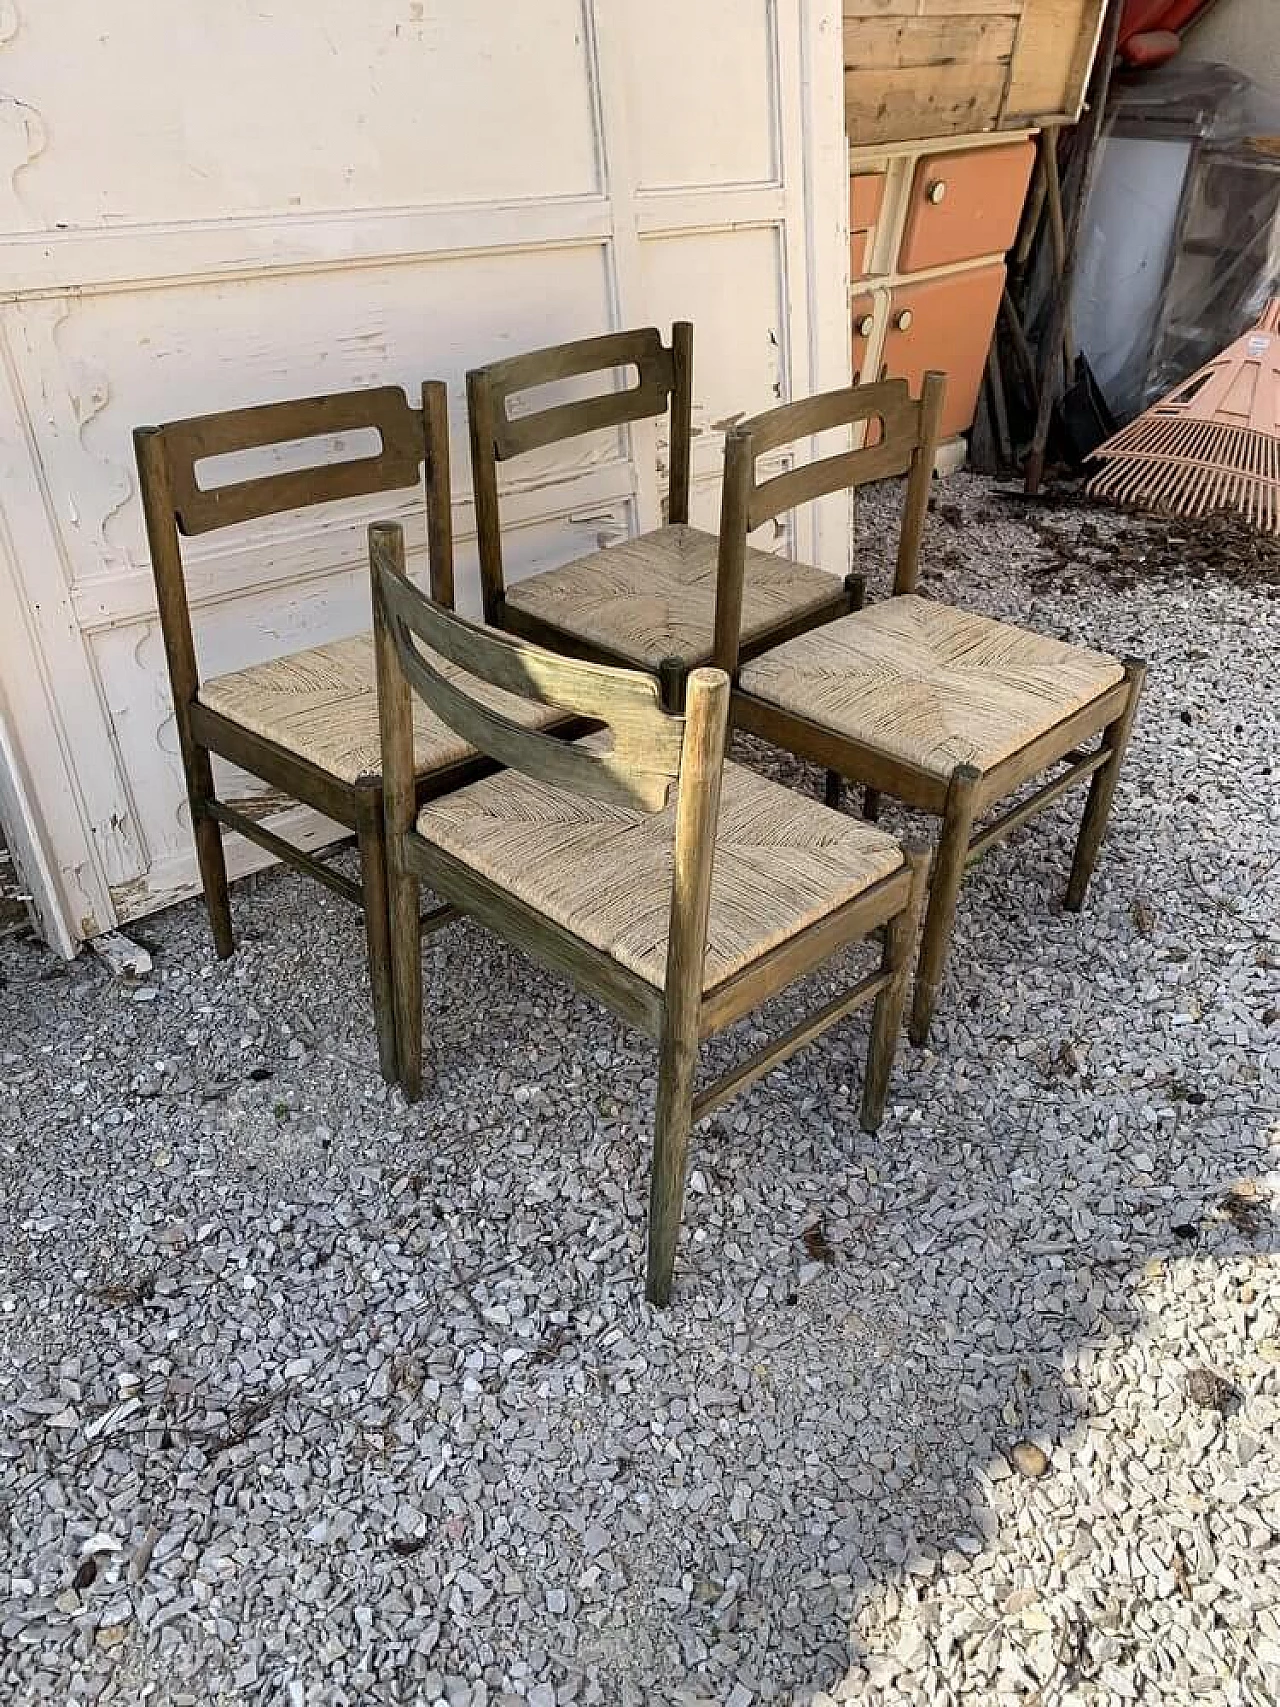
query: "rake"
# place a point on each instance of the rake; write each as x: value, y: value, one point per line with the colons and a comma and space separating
x: 1212, y: 444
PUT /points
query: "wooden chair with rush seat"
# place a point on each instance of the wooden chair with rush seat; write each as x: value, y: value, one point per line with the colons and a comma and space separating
x: 948, y: 711
x: 648, y: 602
x: 306, y: 723
x: 681, y: 915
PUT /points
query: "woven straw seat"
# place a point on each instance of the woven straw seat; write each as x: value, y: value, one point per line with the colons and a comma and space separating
x: 604, y: 872
x: 654, y: 597
x: 930, y: 685
x: 322, y: 705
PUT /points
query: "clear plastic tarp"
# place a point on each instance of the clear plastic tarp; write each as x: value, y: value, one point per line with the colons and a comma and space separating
x: 1180, y: 249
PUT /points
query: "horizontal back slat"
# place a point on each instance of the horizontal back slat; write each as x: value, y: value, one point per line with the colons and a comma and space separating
x: 647, y: 741
x: 828, y: 474
x: 642, y: 348
x: 890, y: 403
x: 384, y: 409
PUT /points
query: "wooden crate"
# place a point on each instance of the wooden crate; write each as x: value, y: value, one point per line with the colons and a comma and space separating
x: 926, y: 68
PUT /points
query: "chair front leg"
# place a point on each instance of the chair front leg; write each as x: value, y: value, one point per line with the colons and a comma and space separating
x: 1102, y: 790
x: 944, y: 891
x: 677, y: 1064
x: 372, y: 844
x: 886, y: 1017
x: 210, y: 855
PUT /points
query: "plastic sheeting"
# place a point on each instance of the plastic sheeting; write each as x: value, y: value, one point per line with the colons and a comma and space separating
x: 1181, y: 245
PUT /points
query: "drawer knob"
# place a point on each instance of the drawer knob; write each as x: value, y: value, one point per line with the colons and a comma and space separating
x: 936, y: 192
x: 865, y: 325
x: 902, y: 320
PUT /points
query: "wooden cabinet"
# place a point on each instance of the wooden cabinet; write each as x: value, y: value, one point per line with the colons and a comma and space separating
x: 929, y: 68
x: 929, y: 227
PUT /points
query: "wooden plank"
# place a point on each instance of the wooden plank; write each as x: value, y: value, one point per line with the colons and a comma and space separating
x: 781, y: 1049
x: 915, y: 101
x: 1051, y: 59
x: 888, y: 44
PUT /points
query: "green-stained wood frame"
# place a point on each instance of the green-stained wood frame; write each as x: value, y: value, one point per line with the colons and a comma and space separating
x: 653, y: 750
x: 906, y: 446
x: 413, y: 442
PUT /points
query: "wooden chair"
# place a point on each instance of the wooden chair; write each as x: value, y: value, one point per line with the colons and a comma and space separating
x: 306, y: 723
x: 574, y: 855
x: 946, y: 710
x: 650, y: 601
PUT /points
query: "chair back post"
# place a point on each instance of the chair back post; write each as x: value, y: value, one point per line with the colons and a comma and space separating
x: 681, y: 450
x: 919, y: 481
x: 395, y: 699
x: 706, y: 726
x: 731, y: 564
x: 484, y: 489
x: 439, y: 492
x: 160, y: 514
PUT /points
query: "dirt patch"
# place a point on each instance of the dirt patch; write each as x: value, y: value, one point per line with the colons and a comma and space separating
x: 1078, y: 534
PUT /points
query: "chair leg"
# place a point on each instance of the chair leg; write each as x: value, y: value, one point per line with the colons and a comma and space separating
x: 1102, y: 790
x: 833, y: 789
x: 944, y: 891
x: 677, y: 1063
x: 372, y: 843
x: 871, y: 805
x: 886, y: 1016
x: 210, y: 855
x: 403, y: 902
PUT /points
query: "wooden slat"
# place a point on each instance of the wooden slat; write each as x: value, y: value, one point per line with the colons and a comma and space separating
x: 828, y: 474
x: 645, y: 755
x: 385, y: 409
x: 1048, y: 749
x: 286, y: 851
x: 781, y: 1049
x: 888, y: 44
x: 1051, y: 58
x: 642, y: 349
x: 903, y: 105
x: 1017, y: 815
x: 792, y: 959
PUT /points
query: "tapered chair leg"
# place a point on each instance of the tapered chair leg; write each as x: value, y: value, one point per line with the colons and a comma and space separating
x: 210, y: 855
x: 677, y: 1063
x: 886, y: 1017
x: 372, y: 843
x: 944, y: 891
x: 406, y: 974
x: 833, y: 789
x: 1102, y: 790
x: 871, y: 805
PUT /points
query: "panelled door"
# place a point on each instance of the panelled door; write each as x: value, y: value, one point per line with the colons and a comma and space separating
x: 205, y: 207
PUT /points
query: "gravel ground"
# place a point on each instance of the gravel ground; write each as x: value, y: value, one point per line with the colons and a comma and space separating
x: 309, y: 1399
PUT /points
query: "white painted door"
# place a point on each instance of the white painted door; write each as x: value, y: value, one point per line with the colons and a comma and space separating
x: 204, y: 207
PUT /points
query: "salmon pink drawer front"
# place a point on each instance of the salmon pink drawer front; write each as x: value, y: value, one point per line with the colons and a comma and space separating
x: 965, y: 205
x: 945, y: 325
x: 866, y: 197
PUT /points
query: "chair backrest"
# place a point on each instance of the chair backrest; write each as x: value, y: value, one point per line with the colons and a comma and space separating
x: 907, y: 444
x: 664, y: 379
x: 651, y: 748
x: 177, y: 504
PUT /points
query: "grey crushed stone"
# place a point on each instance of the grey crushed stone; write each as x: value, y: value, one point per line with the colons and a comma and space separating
x: 311, y: 1399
